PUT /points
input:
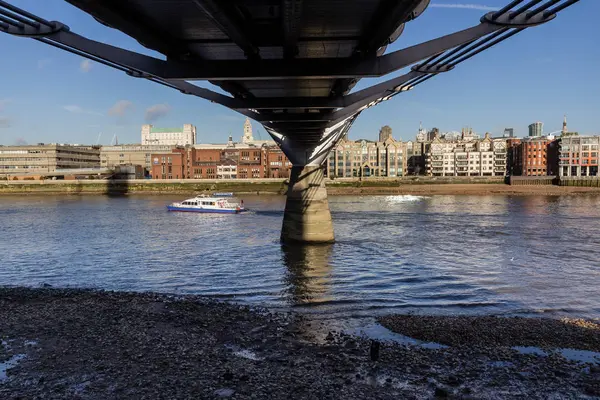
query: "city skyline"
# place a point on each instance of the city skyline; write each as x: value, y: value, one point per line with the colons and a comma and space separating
x: 36, y: 107
x: 238, y: 134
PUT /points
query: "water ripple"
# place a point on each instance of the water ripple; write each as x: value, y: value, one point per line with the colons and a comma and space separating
x: 440, y: 254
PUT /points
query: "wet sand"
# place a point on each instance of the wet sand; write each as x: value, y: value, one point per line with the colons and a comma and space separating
x: 80, y: 344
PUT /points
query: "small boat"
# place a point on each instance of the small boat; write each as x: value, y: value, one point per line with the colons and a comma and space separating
x: 209, y: 204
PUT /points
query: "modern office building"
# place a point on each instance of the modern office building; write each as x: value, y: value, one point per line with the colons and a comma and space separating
x: 44, y: 159
x: 509, y: 133
x: 536, y: 129
x: 130, y: 154
x: 466, y: 157
x: 578, y: 156
x: 152, y: 136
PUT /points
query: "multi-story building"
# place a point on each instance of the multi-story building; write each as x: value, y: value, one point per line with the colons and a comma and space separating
x: 43, y: 159
x: 466, y: 157
x: 578, y: 155
x: 536, y: 129
x: 278, y: 165
x: 366, y: 159
x: 415, y: 157
x: 509, y: 133
x: 513, y: 159
x: 230, y: 161
x: 152, y: 136
x: 534, y: 156
x: 130, y: 154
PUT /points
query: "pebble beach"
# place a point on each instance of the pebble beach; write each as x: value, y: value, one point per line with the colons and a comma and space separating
x: 87, y: 344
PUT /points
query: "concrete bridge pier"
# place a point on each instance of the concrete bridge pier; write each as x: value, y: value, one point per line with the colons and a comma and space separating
x: 306, y: 218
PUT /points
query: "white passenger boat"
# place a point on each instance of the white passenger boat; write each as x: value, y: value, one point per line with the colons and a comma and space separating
x: 221, y: 203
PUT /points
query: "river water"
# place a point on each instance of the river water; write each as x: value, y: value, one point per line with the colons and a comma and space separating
x: 515, y: 255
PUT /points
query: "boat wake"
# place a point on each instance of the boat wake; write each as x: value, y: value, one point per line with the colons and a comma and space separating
x: 405, y: 198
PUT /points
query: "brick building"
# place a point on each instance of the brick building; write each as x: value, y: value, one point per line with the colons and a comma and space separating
x: 535, y: 156
x: 231, y: 161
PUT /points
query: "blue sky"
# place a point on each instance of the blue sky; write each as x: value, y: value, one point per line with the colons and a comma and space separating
x: 47, y: 95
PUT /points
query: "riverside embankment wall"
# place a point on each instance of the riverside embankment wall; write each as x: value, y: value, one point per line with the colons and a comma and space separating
x: 254, y: 186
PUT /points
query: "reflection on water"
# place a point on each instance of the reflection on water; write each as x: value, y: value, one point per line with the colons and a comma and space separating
x: 309, y: 272
x: 439, y: 254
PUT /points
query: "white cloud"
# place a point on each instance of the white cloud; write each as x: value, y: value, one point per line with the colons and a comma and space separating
x: 120, y: 108
x: 43, y: 63
x: 479, y: 7
x: 75, y: 109
x: 157, y: 111
x: 85, y: 65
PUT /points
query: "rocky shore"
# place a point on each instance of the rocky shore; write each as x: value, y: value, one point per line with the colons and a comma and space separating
x: 83, y: 344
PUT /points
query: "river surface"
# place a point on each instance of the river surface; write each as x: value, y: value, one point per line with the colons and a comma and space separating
x: 515, y: 255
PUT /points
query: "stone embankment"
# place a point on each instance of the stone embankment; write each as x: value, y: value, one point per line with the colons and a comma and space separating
x: 84, y: 344
x: 409, y: 185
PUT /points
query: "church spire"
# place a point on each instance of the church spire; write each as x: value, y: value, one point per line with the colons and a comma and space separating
x: 564, y: 128
x: 247, y: 132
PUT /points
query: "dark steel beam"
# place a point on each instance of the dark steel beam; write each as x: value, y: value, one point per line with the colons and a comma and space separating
x: 390, y: 15
x: 274, y: 69
x: 116, y: 15
x: 229, y: 21
x: 291, y: 13
x: 324, y: 68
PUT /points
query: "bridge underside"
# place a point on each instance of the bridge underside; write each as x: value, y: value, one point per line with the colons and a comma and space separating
x: 289, y: 64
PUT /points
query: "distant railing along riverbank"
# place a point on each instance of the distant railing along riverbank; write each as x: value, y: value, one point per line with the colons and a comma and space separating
x: 336, y: 186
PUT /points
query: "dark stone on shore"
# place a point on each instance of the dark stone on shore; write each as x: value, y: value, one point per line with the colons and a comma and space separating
x: 441, y: 392
x: 225, y: 392
x: 374, y: 350
x: 95, y: 345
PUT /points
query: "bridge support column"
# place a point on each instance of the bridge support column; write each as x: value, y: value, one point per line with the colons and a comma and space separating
x: 307, y: 218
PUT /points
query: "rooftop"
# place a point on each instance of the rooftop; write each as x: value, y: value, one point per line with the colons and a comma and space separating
x: 166, y: 130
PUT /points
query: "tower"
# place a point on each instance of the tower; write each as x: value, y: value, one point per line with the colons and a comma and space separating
x: 385, y: 133
x: 564, y: 128
x: 247, y: 132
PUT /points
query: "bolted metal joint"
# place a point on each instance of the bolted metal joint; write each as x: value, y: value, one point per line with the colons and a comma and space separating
x: 40, y: 30
x: 523, y: 20
x: 436, y: 69
x: 137, y: 74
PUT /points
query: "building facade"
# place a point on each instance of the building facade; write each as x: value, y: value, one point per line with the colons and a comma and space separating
x: 152, y: 136
x: 466, y: 157
x: 42, y: 159
x: 535, y: 156
x: 232, y: 161
x: 351, y: 159
x: 130, y: 154
x: 578, y: 155
x: 536, y: 129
